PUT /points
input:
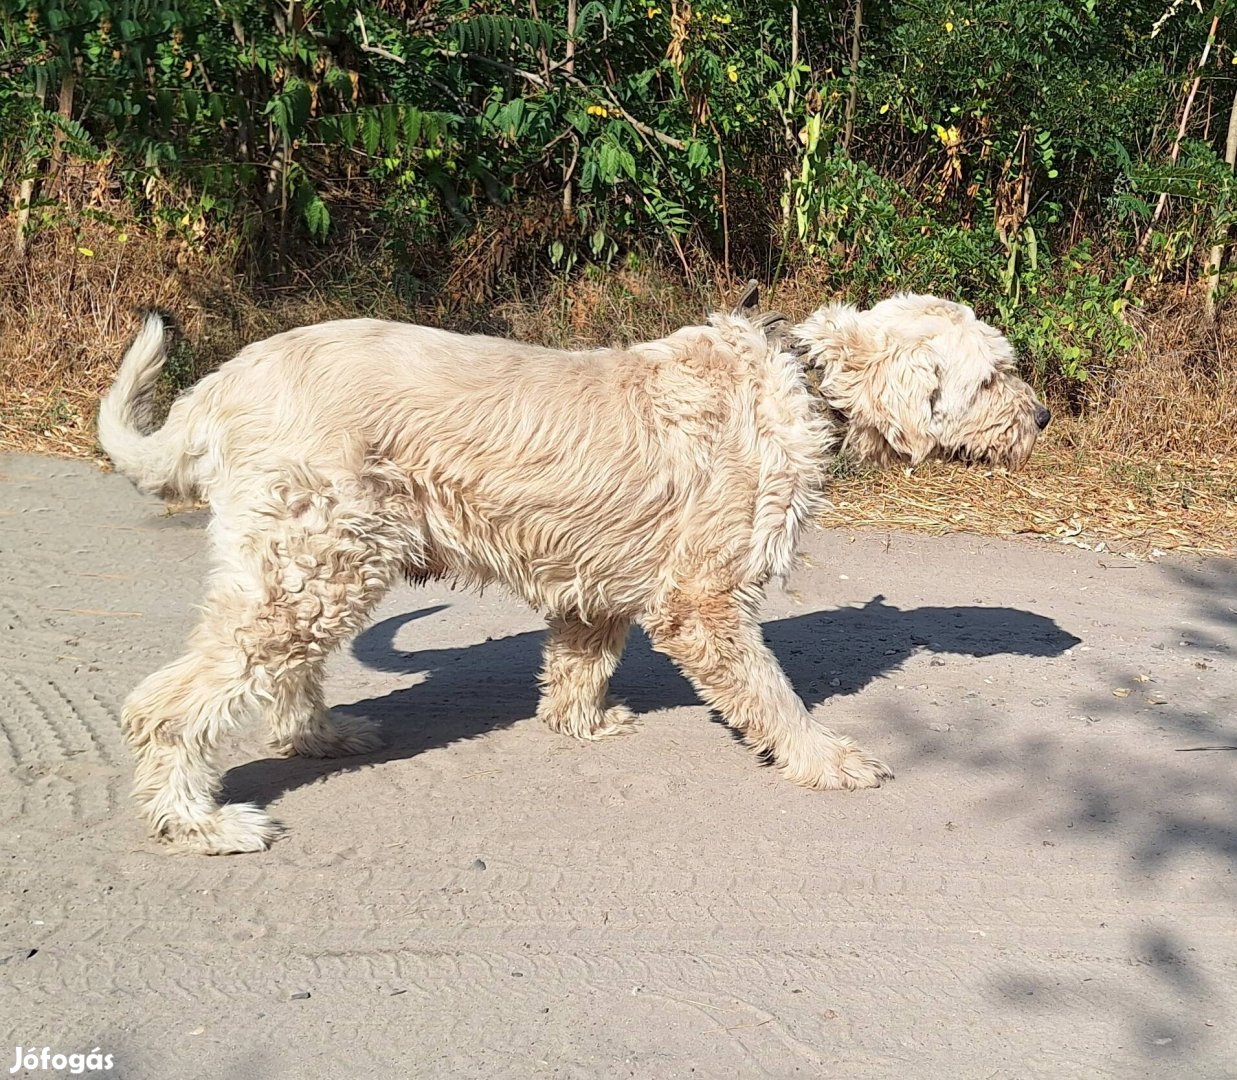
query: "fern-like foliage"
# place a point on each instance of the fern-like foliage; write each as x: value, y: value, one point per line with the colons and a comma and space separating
x: 499, y: 35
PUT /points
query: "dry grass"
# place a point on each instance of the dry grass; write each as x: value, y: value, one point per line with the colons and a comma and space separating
x: 68, y: 310
x: 1150, y: 466
x: 600, y: 309
x: 1102, y: 501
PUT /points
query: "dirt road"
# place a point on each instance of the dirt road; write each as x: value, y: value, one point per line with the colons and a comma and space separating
x: 1047, y: 888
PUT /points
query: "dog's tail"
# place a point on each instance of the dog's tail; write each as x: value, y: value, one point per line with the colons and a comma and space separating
x: 156, y: 462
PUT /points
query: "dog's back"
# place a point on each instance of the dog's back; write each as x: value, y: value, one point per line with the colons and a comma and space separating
x: 588, y: 471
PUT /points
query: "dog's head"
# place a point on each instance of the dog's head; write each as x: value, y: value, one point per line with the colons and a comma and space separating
x: 917, y: 377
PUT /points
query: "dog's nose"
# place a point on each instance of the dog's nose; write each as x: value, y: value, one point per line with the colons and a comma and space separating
x: 1042, y: 416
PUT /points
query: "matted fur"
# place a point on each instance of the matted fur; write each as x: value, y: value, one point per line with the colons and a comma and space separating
x: 664, y: 483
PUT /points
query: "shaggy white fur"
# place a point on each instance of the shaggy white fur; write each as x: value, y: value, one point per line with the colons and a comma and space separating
x: 664, y: 483
x: 918, y: 376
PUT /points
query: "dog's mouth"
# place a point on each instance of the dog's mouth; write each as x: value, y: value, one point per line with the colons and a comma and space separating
x: 1009, y: 447
x: 1011, y: 458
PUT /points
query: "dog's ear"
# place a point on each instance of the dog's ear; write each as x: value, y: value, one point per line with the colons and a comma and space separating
x: 885, y: 386
x: 775, y: 324
x: 779, y: 332
x: 904, y: 386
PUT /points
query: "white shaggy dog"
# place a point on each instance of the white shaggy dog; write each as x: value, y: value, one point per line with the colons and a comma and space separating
x: 664, y: 483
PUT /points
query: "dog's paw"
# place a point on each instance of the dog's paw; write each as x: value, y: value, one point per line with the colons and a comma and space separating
x: 834, y: 763
x: 230, y: 830
x: 615, y: 720
x: 858, y: 769
x: 588, y: 723
x: 329, y: 737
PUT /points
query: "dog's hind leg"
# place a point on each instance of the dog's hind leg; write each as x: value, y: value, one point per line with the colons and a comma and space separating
x: 174, y: 721
x: 579, y: 660
x: 285, y: 598
x: 303, y: 726
x: 715, y: 640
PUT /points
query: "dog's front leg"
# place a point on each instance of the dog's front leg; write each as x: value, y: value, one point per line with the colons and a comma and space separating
x: 579, y: 660
x: 717, y: 644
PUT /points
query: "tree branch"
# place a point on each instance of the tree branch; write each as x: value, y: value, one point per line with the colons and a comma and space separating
x: 853, y: 99
x: 377, y: 50
x: 1216, y: 259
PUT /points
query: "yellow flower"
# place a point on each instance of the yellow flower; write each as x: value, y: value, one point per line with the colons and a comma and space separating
x: 654, y: 12
x: 884, y: 108
x: 597, y: 110
x: 949, y: 27
x: 731, y: 74
x: 86, y: 251
x: 950, y: 137
x: 723, y: 19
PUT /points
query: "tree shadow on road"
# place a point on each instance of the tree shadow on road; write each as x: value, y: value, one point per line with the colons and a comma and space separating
x: 1142, y: 759
x: 1135, y: 775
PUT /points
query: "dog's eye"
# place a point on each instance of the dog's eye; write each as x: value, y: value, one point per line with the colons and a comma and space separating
x: 986, y: 385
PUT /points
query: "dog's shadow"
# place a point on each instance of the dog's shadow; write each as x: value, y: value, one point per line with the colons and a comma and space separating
x: 475, y: 689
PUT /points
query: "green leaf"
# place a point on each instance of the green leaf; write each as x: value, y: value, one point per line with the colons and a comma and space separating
x: 625, y: 161
x: 390, y: 129
x: 496, y: 35
x: 164, y: 103
x: 289, y: 110
x: 412, y: 127
x: 317, y: 217
x: 513, y: 118
x: 337, y: 80
x: 371, y: 131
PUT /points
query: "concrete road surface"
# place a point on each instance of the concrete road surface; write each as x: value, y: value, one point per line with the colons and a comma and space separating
x: 1046, y: 889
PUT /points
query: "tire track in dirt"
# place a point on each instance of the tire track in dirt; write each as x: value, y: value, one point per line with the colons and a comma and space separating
x: 822, y: 992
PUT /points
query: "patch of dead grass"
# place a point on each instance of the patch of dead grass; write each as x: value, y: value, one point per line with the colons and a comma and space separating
x: 1098, y: 500
x: 69, y: 310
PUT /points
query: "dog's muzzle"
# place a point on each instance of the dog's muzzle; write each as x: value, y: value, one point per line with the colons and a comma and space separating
x: 1042, y: 416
